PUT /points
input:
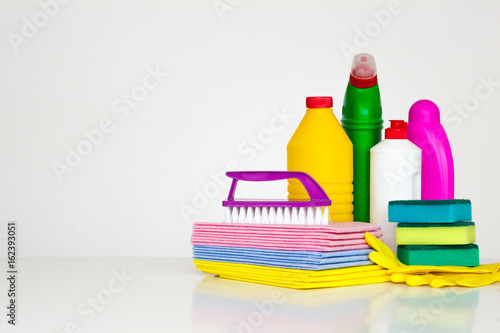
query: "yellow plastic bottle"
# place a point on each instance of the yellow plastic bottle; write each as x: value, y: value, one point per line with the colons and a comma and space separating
x: 321, y: 148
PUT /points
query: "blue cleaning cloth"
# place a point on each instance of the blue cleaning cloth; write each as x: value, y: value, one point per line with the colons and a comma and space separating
x: 286, y: 253
x: 285, y: 259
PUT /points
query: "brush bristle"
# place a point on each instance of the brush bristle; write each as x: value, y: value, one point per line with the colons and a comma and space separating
x: 257, y: 217
x: 318, y: 217
x: 265, y: 215
x: 295, y: 216
x: 227, y: 216
x: 278, y: 215
x: 287, y: 215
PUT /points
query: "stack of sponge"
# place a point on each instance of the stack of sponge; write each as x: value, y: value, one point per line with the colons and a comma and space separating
x: 435, y: 232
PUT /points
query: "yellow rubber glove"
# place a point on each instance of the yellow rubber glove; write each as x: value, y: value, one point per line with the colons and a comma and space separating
x: 478, y: 280
x: 434, y: 276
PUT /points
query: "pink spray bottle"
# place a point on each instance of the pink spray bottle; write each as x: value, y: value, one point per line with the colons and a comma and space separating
x: 425, y: 131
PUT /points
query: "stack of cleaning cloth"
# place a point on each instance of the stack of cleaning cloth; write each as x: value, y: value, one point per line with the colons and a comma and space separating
x: 435, y: 232
x: 287, y: 255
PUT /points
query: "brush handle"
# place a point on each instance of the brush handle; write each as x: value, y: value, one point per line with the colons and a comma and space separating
x: 314, y: 190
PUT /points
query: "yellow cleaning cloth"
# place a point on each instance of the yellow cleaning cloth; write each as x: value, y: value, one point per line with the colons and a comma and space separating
x: 434, y: 276
x: 295, y: 278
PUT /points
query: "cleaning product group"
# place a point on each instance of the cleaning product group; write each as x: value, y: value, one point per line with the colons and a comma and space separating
x: 345, y: 181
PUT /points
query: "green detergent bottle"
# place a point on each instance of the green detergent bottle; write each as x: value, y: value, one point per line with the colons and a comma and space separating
x: 362, y: 121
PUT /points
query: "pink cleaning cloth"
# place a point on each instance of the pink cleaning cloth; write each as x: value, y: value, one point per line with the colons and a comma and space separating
x: 339, y: 236
x: 292, y: 236
x: 310, y: 246
x: 333, y: 228
x: 250, y: 239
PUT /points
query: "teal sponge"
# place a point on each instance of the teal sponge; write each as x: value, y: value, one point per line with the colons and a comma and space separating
x: 439, y: 255
x: 430, y: 211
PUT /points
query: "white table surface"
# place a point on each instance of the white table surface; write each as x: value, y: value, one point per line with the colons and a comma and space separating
x: 170, y: 295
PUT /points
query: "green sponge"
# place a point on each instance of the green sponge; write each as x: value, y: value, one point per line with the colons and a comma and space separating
x: 430, y: 211
x: 439, y: 255
x: 457, y: 233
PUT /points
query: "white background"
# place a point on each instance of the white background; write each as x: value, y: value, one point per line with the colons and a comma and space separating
x: 230, y: 71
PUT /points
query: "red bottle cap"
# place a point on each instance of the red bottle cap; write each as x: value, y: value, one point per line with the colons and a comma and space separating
x: 398, y: 130
x: 319, y: 102
x: 363, y: 71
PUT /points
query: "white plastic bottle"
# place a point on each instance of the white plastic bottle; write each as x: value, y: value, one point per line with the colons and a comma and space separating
x: 395, y: 173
